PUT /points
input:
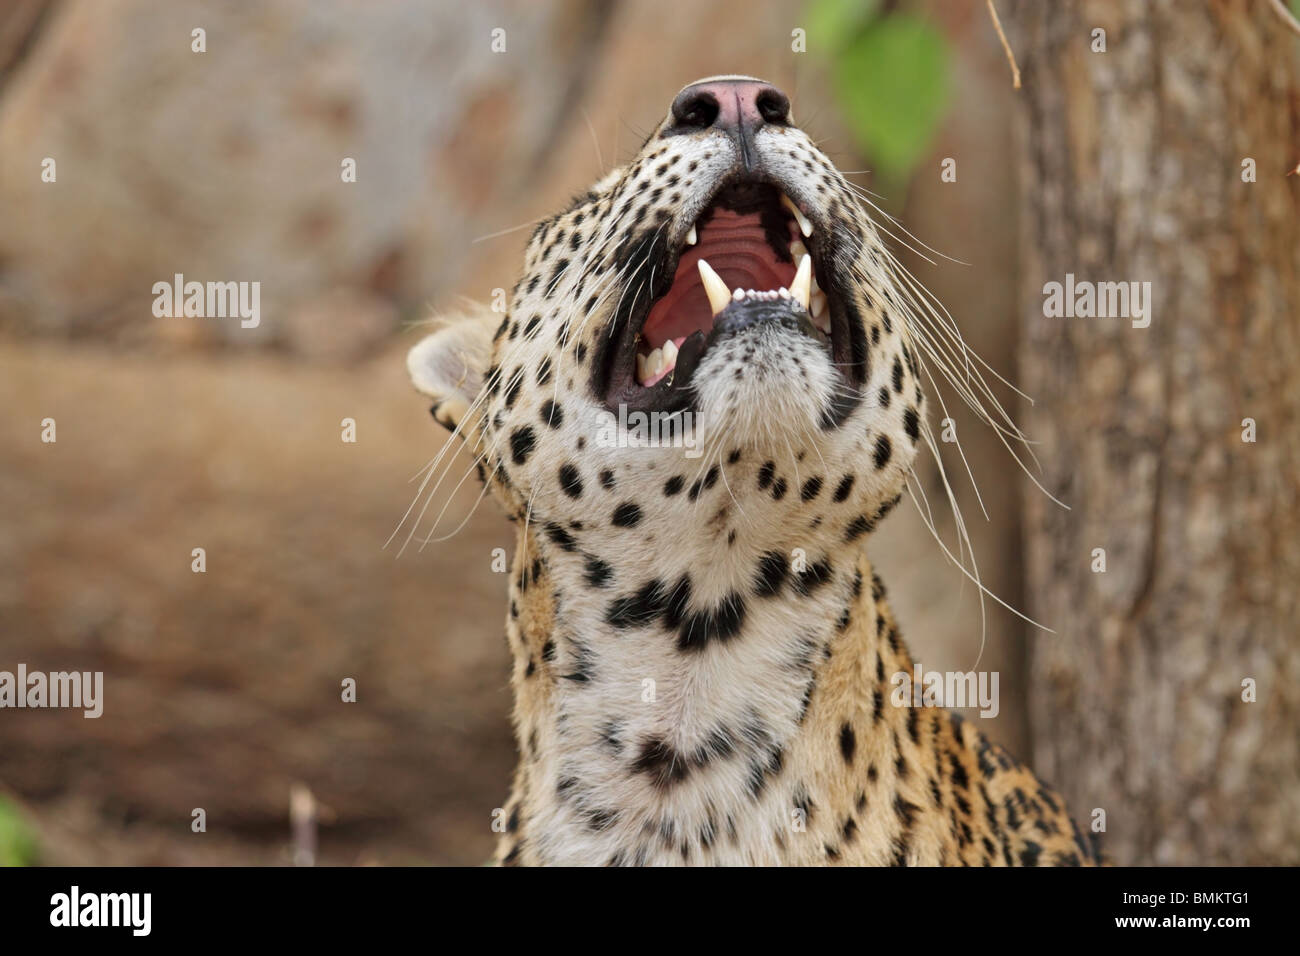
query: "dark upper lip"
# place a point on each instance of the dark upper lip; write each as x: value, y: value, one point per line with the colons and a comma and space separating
x: 648, y: 262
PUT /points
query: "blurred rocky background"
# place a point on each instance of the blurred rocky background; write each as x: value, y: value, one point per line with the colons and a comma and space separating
x: 223, y: 688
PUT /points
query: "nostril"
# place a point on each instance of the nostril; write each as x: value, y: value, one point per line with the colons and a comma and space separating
x: 773, y: 106
x: 695, y: 108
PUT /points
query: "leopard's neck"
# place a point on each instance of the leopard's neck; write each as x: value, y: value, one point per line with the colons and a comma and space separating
x: 657, y: 723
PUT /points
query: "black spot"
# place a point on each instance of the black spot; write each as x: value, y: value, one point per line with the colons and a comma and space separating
x: 734, y: 456
x: 627, y: 515
x: 906, y: 811
x: 544, y: 371
x: 551, y: 414
x: 959, y: 777
x: 522, y: 442
x: 560, y: 537
x: 598, y: 572
x: 718, y: 624
x: 570, y: 481
x: 760, y: 772
x: 560, y: 266
x: 1029, y: 853
x: 848, y: 742
x: 661, y: 763
x: 813, y: 577
x: 843, y: 488
x: 857, y: 528
x: 811, y: 488
x: 512, y: 390
x: 765, y: 474
x: 779, y: 489
x: 883, y: 450
x: 676, y: 601
x: 673, y: 485
x: 606, y: 479
x: 772, y: 569
x: 639, y: 609
x: 911, y: 424
x: 898, y: 375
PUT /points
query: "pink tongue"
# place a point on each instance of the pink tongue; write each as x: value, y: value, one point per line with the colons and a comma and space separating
x: 737, y: 249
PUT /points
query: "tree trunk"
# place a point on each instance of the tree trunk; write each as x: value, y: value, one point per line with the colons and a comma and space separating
x: 1132, y: 164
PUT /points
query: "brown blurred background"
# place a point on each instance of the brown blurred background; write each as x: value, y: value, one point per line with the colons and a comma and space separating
x: 223, y: 688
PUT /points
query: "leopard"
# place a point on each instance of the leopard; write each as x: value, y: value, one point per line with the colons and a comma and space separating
x: 701, y: 397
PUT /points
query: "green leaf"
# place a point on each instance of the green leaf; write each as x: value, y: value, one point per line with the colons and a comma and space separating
x: 833, y: 23
x: 892, y: 82
x: 17, y: 845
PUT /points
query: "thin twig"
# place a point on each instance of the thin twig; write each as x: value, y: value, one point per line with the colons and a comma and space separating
x: 1011, y: 57
x: 1285, y: 16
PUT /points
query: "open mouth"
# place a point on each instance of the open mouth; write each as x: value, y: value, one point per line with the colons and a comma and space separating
x: 751, y: 258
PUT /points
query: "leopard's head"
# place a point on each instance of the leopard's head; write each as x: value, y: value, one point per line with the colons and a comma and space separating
x: 704, y: 356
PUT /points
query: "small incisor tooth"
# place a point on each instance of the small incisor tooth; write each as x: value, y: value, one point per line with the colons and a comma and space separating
x: 717, y: 291
x: 691, y: 237
x: 670, y: 354
x: 641, y: 376
x: 800, y: 287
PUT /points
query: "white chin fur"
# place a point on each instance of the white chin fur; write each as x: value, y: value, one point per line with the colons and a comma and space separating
x: 786, y: 381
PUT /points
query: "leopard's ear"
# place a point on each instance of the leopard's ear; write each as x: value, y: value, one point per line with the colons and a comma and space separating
x: 449, y: 365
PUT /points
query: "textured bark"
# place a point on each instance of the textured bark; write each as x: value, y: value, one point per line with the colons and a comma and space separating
x: 1132, y: 163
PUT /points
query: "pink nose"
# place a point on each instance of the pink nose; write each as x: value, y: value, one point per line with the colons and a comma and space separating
x: 734, y: 106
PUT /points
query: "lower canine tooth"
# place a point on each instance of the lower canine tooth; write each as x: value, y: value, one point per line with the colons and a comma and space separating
x: 817, y: 304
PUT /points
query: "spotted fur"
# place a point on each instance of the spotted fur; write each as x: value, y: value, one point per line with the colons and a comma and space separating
x: 702, y: 652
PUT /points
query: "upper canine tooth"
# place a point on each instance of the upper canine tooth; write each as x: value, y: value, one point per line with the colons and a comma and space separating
x: 691, y: 237
x: 717, y: 291
x: 799, y: 288
x: 805, y: 226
